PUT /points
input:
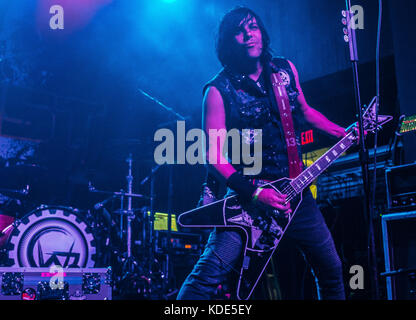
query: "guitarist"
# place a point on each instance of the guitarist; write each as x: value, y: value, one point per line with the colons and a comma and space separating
x: 241, y: 96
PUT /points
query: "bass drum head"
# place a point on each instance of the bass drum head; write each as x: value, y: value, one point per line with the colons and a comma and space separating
x: 52, y: 236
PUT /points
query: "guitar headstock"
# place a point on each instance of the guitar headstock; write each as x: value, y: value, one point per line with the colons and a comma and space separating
x: 370, y: 123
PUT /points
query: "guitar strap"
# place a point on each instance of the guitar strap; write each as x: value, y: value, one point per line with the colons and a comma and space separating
x: 282, y: 101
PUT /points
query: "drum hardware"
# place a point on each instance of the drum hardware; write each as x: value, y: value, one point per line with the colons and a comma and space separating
x: 8, y: 228
x: 114, y: 195
x: 134, y: 275
x: 21, y: 192
x: 91, y: 188
x: 5, y: 234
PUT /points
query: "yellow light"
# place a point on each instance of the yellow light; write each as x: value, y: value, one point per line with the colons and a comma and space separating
x: 312, y: 187
x: 161, y: 221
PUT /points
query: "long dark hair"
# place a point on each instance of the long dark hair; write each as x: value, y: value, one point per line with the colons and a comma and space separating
x: 229, y: 25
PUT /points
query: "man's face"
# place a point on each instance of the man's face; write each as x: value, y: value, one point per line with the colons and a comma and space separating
x: 249, y: 38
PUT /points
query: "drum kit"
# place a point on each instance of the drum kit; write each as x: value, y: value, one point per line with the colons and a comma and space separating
x: 49, y: 214
x: 112, y: 233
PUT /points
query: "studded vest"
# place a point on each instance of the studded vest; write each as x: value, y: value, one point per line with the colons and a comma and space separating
x: 251, y: 105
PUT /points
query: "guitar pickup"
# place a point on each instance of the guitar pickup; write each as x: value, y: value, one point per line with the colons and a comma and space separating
x: 276, y: 230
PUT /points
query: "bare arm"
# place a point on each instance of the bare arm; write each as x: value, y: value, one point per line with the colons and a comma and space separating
x: 214, y: 121
x: 314, y: 117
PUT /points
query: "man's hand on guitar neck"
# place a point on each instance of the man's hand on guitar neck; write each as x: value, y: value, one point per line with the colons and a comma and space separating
x: 274, y: 199
x: 356, y: 128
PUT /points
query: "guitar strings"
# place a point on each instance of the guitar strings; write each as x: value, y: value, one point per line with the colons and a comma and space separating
x: 306, y: 182
x: 290, y: 190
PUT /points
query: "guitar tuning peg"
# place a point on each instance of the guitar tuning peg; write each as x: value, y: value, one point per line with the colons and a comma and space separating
x: 346, y: 38
x: 344, y: 21
x: 344, y: 13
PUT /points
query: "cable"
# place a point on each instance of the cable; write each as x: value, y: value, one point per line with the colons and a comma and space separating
x: 370, y: 241
x: 380, y: 15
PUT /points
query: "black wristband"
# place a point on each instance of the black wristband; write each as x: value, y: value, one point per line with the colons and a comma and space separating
x: 242, y: 186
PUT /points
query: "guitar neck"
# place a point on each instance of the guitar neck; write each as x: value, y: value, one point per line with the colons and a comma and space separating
x: 312, y: 172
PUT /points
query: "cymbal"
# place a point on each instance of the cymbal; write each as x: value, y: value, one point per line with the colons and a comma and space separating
x: 14, y: 194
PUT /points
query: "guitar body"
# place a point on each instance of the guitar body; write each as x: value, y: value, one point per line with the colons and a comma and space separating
x: 262, y: 226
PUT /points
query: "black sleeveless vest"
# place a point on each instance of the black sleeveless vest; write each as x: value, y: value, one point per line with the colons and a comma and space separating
x: 249, y: 105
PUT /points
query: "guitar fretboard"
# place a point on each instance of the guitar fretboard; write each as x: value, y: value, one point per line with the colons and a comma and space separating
x: 312, y: 172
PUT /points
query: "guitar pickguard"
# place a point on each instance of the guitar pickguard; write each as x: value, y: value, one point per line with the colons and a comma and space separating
x: 264, y: 228
x: 235, y: 214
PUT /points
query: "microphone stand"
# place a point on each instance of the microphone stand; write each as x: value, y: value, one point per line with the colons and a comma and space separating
x: 178, y: 117
x: 148, y: 241
x: 364, y: 156
x: 151, y: 217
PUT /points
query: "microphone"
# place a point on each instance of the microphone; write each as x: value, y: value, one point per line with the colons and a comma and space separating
x: 101, y: 204
x: 154, y: 169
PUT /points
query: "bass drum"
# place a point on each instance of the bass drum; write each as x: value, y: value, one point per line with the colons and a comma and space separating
x: 52, y: 236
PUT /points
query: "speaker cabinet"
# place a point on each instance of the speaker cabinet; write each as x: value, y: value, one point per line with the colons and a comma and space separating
x: 399, y: 242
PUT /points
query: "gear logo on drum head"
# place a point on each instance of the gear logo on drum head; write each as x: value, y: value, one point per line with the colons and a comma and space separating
x: 52, y: 236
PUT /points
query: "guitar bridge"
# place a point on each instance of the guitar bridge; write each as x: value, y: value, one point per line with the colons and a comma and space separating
x: 276, y: 230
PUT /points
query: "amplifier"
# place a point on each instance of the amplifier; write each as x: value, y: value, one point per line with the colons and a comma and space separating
x: 399, y: 243
x: 161, y: 221
x: 180, y: 243
x: 55, y: 283
x: 401, y: 187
